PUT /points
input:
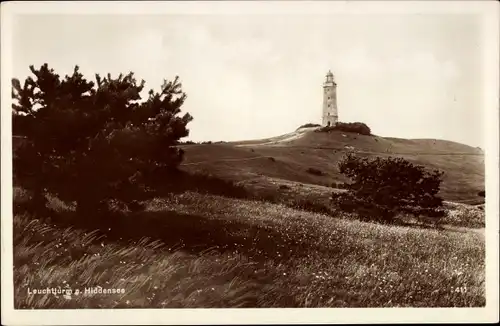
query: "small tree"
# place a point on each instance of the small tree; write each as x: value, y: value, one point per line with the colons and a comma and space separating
x: 380, y: 188
x: 90, y: 142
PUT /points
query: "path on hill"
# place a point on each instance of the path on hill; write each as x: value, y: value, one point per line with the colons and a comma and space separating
x: 340, y: 149
x: 282, y: 140
x: 343, y: 149
x: 277, y: 144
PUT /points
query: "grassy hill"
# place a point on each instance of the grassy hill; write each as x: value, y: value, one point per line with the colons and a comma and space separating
x: 193, y: 251
x: 288, y: 157
x: 190, y: 249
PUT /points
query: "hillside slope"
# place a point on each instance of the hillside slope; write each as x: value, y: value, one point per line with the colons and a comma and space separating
x: 289, y: 156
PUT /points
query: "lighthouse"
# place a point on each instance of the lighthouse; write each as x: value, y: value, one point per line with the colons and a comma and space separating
x: 330, y: 113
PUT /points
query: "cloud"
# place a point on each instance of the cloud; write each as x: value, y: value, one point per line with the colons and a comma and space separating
x: 421, y: 65
x: 247, y: 52
x: 244, y: 71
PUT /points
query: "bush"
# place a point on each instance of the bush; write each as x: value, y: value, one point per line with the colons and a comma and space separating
x: 272, y: 159
x: 482, y: 193
x: 352, y: 127
x: 309, y: 125
x: 380, y: 188
x: 315, y: 171
x: 92, y: 142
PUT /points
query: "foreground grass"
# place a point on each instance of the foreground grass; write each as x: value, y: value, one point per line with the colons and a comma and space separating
x: 317, y: 199
x: 210, y: 251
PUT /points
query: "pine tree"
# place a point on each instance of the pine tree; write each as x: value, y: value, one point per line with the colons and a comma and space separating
x: 91, y: 142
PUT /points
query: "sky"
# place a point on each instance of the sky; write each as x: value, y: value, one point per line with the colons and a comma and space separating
x: 256, y: 76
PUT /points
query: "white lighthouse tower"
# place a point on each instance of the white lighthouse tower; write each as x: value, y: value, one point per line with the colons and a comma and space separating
x: 330, y: 114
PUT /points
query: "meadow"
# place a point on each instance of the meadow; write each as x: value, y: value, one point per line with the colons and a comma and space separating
x: 200, y: 250
x: 250, y: 224
x: 291, y: 158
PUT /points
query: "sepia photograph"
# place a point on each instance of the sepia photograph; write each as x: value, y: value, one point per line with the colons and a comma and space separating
x: 175, y: 156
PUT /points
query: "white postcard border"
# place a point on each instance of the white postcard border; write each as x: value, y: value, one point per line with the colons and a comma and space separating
x: 487, y: 9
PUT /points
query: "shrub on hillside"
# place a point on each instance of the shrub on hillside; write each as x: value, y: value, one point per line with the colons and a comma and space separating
x: 382, y: 187
x: 315, y: 171
x: 91, y: 142
x: 352, y: 127
x: 482, y: 193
